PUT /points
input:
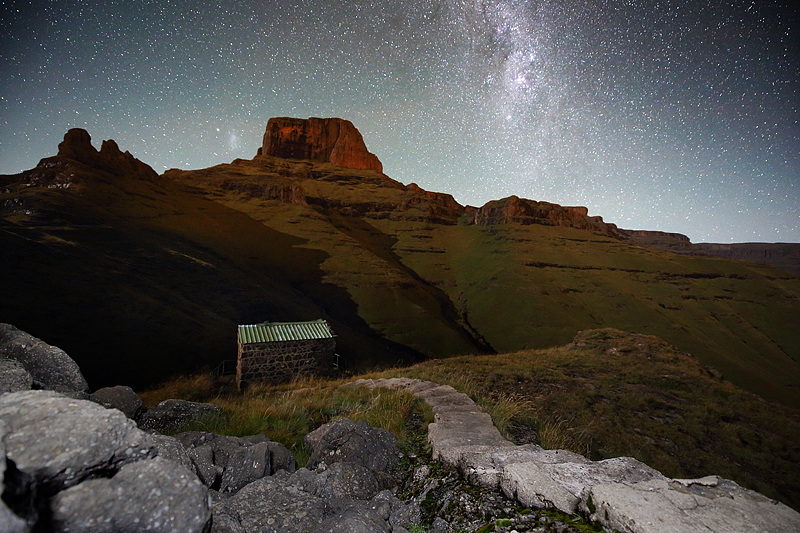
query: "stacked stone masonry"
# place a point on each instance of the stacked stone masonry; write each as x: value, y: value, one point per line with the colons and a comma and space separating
x: 622, y: 494
x: 275, y: 362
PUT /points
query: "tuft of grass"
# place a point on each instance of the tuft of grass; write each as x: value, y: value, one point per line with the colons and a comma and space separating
x: 287, y: 413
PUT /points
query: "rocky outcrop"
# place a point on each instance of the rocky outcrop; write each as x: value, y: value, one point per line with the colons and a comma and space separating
x: 78, y: 162
x: 331, y: 140
x: 347, y: 441
x: 73, y: 465
x: 49, y: 367
x: 227, y: 464
x: 77, y: 145
x: 344, y: 489
x: 622, y: 494
x: 780, y: 255
x: 674, y: 242
x: 516, y: 210
x: 153, y: 495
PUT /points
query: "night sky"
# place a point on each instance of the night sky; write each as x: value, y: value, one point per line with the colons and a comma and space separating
x: 679, y: 116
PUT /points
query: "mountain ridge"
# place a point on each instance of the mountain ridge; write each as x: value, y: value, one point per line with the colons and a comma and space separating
x: 402, y: 273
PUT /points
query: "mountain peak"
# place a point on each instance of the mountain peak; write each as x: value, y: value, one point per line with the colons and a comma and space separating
x: 77, y: 145
x: 333, y: 140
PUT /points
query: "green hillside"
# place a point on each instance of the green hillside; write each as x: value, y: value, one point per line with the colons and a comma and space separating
x: 148, y: 276
x: 445, y: 286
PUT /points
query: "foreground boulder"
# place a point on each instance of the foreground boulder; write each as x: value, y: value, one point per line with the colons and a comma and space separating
x: 50, y: 367
x: 60, y: 441
x: 353, y: 463
x: 346, y: 440
x: 227, y: 464
x: 73, y: 465
x: 154, y: 495
x: 120, y: 397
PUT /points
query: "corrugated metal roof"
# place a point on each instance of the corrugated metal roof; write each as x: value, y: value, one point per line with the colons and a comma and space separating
x: 284, y: 331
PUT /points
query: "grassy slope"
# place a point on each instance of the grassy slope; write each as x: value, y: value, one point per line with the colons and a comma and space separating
x: 616, y: 394
x: 609, y: 394
x: 364, y: 253
x: 425, y: 284
x: 535, y: 286
x: 145, y: 280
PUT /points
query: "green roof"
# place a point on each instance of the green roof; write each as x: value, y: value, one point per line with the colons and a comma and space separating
x: 284, y: 331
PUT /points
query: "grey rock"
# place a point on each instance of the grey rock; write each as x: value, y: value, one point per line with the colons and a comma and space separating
x: 50, y: 367
x: 202, y: 458
x: 225, y: 447
x: 280, y: 458
x: 246, y: 465
x: 151, y: 495
x: 272, y: 505
x: 254, y: 439
x: 406, y: 515
x: 14, y: 377
x: 440, y: 525
x: 225, y: 519
x: 347, y: 480
x: 304, y: 479
x: 170, y: 415
x: 227, y: 463
x: 354, y: 520
x: 118, y: 397
x: 60, y: 441
x: 383, y: 503
x: 345, y: 440
x: 171, y: 449
x: 16, y: 487
x: 193, y: 439
x: 560, y: 478
x: 710, y: 504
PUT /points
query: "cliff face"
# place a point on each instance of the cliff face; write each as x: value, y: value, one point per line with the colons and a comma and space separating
x: 515, y: 210
x: 331, y: 140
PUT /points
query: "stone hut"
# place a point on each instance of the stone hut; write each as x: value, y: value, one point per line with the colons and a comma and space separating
x: 275, y: 352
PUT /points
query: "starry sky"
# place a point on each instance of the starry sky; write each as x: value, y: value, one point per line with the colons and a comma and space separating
x: 678, y: 116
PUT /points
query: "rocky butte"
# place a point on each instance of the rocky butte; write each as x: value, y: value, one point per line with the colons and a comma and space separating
x: 332, y: 140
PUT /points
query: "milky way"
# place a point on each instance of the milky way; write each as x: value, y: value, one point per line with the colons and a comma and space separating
x: 677, y: 116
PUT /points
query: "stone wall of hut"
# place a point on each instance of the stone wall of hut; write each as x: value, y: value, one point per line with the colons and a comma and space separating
x: 279, y: 362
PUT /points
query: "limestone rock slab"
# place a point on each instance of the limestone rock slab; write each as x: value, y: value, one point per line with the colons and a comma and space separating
x: 152, y: 495
x: 60, y: 441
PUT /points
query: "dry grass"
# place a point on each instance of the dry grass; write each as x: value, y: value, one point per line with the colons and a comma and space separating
x: 288, y: 412
x: 612, y: 395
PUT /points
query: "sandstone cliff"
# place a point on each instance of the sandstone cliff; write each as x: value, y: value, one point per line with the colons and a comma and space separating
x: 331, y: 140
x: 515, y: 210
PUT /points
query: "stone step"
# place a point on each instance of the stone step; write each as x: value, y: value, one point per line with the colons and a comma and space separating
x: 622, y: 494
